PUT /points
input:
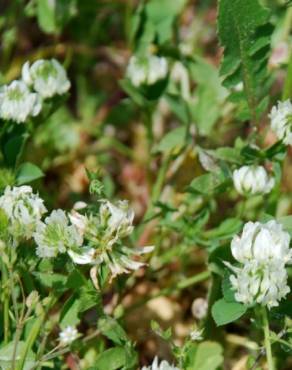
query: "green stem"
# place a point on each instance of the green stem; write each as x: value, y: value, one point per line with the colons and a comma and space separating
x: 6, y: 299
x: 268, y: 346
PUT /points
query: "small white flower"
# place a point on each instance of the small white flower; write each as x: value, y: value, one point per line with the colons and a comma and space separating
x: 147, y: 70
x: 281, y: 121
x: 47, y: 77
x: 24, y: 210
x: 164, y: 365
x: 196, y: 335
x: 55, y: 235
x: 199, y: 308
x: 262, y: 250
x: 17, y: 103
x: 68, y: 335
x: 252, y: 180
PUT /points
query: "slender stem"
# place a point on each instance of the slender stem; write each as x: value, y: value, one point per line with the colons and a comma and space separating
x: 268, y: 346
x: 6, y: 299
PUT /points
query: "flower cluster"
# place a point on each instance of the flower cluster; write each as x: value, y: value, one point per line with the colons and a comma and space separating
x: 92, y: 239
x: 251, y: 180
x: 164, y: 365
x: 47, y: 77
x: 23, y: 99
x: 262, y: 251
x: 55, y: 235
x: 281, y: 121
x: 147, y: 70
x: 68, y: 335
x: 103, y: 234
x: 23, y: 210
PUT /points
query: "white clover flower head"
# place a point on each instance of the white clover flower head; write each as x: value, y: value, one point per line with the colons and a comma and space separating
x: 68, y: 335
x: 47, y: 77
x: 18, y: 103
x: 164, y: 365
x: 146, y: 70
x: 196, y: 335
x: 102, y: 234
x: 251, y: 180
x: 56, y: 235
x: 262, y: 251
x: 281, y: 121
x: 24, y: 210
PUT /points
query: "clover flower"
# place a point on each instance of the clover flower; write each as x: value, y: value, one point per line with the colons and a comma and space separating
x: 68, y: 335
x: 262, y: 251
x: 47, y: 77
x: 18, y: 103
x: 103, y: 234
x: 147, y: 70
x: 56, y: 235
x: 164, y: 365
x: 23, y: 209
x: 281, y: 121
x: 252, y: 180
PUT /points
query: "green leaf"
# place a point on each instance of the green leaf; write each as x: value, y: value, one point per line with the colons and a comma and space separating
x: 46, y: 16
x: 205, y: 356
x: 210, y: 95
x: 244, y: 33
x: 28, y: 172
x: 111, y: 359
x: 112, y: 330
x: 172, y: 141
x: 6, y: 354
x: 224, y: 312
x: 69, y: 313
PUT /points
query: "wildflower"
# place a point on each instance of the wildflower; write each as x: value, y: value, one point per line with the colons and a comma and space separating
x: 164, y: 365
x: 281, y: 121
x: 196, y: 335
x: 147, y: 70
x: 199, y: 308
x: 23, y: 209
x: 47, y: 77
x: 17, y: 103
x: 103, y: 234
x: 262, y: 251
x: 55, y: 235
x: 68, y: 335
x: 262, y: 242
x: 252, y: 180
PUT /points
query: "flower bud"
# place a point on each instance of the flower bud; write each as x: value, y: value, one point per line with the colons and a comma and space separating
x: 251, y: 180
x: 147, y: 70
x: 47, y: 77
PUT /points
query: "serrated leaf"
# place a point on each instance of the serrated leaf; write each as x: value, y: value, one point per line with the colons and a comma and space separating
x: 224, y: 312
x: 244, y: 32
